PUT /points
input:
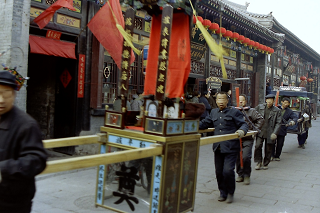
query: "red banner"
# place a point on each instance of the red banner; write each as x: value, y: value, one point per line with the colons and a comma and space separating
x: 81, y: 69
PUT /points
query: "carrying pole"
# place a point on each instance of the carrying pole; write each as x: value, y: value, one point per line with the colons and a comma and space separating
x: 237, y: 99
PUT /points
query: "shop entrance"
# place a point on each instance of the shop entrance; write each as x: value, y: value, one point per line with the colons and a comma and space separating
x: 51, y: 95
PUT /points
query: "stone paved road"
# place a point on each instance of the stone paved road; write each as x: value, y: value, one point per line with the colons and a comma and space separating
x: 291, y: 185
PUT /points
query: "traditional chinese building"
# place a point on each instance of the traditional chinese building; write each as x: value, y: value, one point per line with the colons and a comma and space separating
x: 72, y: 77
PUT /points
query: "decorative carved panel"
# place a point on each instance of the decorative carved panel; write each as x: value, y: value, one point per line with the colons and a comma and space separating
x: 197, y: 67
x: 217, y: 72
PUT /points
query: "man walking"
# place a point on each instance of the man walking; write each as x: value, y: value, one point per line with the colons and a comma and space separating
x: 286, y: 114
x: 22, y: 155
x: 255, y: 121
x: 225, y: 121
x: 269, y: 131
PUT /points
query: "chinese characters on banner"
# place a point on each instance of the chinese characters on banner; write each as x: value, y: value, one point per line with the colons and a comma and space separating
x: 126, y: 54
x: 166, y: 24
x: 81, y: 73
x: 53, y: 34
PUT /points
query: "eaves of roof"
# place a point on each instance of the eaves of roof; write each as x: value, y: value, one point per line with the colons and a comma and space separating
x: 247, y: 20
x: 294, y: 40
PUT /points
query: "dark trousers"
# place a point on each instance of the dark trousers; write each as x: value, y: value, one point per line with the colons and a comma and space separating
x: 277, y: 147
x: 26, y: 208
x: 302, y: 138
x: 225, y: 163
x: 246, y: 156
x: 258, y: 151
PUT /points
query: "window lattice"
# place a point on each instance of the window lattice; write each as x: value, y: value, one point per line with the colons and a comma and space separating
x: 51, y: 1
x: 138, y: 23
x: 217, y: 72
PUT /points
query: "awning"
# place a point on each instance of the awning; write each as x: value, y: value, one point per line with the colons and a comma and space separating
x: 47, y: 46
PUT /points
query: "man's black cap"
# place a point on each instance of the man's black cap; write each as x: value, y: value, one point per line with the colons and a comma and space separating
x: 270, y: 96
x: 6, y: 78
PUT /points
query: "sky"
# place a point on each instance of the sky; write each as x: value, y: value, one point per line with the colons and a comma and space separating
x: 299, y: 17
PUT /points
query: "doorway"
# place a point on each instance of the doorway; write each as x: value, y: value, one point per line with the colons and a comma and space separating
x: 51, y: 95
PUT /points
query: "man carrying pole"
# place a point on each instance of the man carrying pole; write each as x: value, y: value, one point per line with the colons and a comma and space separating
x: 225, y: 120
x: 255, y: 121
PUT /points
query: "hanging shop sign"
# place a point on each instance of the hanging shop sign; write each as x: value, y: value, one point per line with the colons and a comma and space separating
x: 214, y: 83
x: 81, y: 73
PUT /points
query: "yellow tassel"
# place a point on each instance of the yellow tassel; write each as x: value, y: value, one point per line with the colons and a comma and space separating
x: 214, y: 47
x: 128, y: 38
x: 125, y: 35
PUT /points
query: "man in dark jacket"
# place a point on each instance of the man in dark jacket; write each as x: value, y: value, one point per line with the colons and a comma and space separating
x: 287, y: 114
x: 225, y: 120
x: 203, y: 99
x: 22, y: 155
x: 255, y: 121
x: 269, y: 132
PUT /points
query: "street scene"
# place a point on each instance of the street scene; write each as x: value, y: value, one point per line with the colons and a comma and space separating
x: 159, y: 106
x: 290, y: 185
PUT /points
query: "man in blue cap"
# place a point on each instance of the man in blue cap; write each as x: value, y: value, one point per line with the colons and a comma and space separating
x: 22, y: 155
x: 269, y: 132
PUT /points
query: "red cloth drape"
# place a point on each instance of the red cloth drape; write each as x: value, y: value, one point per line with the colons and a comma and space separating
x: 103, y: 26
x: 47, y: 46
x: 179, y: 56
x: 44, y: 18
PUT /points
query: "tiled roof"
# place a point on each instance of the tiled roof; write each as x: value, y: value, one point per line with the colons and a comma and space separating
x: 250, y: 19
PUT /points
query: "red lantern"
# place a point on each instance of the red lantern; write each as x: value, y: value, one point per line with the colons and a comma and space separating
x: 256, y: 45
x: 246, y: 41
x: 235, y: 36
x: 240, y: 39
x: 303, y: 78
x: 221, y: 31
x: 309, y: 80
x: 228, y: 34
x: 206, y: 23
x: 251, y: 44
x: 199, y: 19
x: 268, y: 50
x: 272, y: 51
x: 214, y: 27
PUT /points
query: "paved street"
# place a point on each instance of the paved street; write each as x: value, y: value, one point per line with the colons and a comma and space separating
x: 291, y: 185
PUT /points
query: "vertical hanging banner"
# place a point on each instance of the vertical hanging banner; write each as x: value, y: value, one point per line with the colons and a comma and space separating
x: 166, y: 25
x: 81, y: 72
x: 126, y: 57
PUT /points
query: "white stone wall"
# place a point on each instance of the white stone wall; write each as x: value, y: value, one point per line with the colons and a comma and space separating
x: 14, y: 32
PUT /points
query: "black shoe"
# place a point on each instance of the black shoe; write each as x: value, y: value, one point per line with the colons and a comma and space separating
x: 229, y: 198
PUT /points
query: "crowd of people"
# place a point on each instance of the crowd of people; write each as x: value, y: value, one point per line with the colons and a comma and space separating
x: 270, y: 122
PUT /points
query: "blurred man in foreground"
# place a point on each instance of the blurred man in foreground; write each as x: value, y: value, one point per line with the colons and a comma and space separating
x: 22, y: 155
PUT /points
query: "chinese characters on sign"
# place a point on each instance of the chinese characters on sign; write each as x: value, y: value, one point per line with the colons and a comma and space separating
x: 81, y: 73
x: 53, y: 34
x: 127, y: 182
x: 164, y: 51
x: 156, y: 184
x: 197, y: 51
x: 126, y: 54
x: 100, y: 180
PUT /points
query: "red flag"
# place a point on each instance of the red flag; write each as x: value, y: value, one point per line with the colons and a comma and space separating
x: 44, y: 18
x: 179, y: 56
x: 103, y: 26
